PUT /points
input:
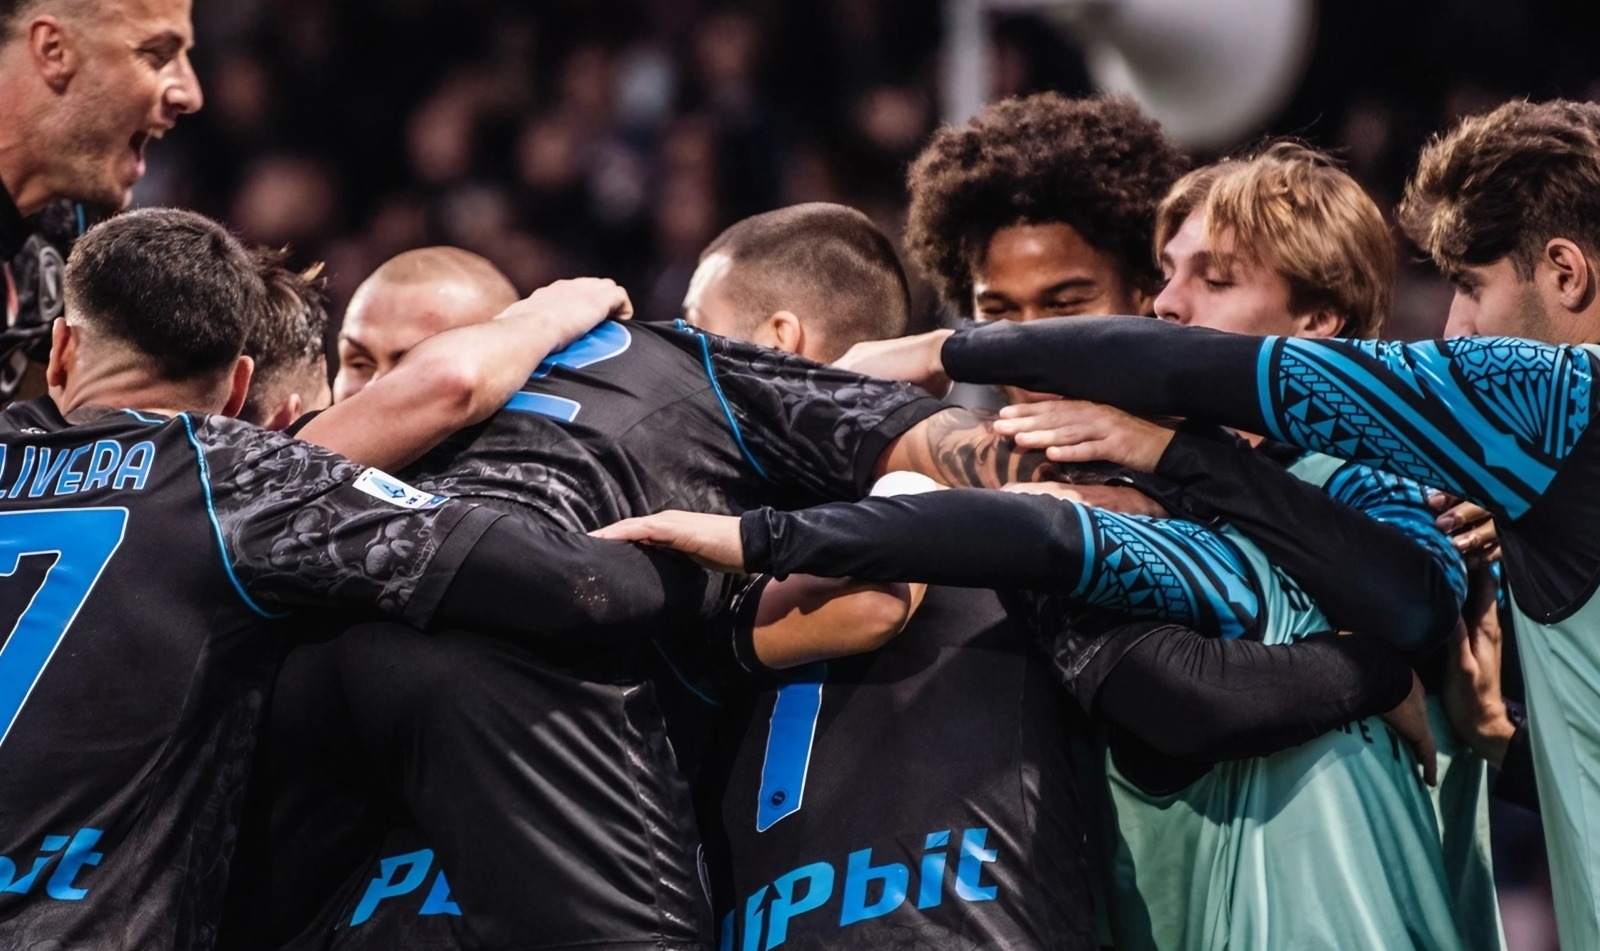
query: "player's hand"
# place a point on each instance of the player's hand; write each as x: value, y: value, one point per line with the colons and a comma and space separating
x: 1410, y: 720
x: 711, y: 540
x: 917, y: 360
x: 1470, y: 526
x: 1112, y: 498
x: 575, y: 306
x: 1078, y: 431
x: 1472, y: 697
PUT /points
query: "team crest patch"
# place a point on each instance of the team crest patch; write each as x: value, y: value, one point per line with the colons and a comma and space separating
x: 385, y: 487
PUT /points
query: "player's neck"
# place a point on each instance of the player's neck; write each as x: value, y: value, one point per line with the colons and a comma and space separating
x: 134, y: 388
x: 21, y: 172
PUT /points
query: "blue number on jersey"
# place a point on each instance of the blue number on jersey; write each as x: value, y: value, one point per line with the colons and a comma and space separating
x: 788, y: 756
x: 602, y: 343
x: 83, y: 541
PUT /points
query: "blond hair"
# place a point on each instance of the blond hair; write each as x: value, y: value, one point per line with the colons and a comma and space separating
x: 1293, y: 210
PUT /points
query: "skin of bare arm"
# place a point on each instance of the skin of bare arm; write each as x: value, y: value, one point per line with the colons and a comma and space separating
x: 804, y: 619
x: 913, y: 360
x: 461, y: 377
x: 959, y: 448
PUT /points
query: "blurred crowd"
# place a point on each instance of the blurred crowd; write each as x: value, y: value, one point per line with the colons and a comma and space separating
x: 618, y: 136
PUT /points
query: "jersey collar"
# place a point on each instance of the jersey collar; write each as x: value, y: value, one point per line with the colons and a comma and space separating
x: 13, y: 227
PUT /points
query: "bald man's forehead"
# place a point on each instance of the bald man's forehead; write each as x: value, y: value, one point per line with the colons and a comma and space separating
x: 434, y: 306
x: 388, y: 318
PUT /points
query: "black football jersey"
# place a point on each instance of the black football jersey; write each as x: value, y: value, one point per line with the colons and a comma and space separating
x: 917, y: 797
x: 144, y: 561
x: 636, y: 418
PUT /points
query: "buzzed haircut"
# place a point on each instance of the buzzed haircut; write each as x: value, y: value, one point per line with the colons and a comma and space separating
x: 1096, y: 164
x: 1503, y: 184
x: 827, y: 263
x: 443, y: 263
x: 173, y: 285
x: 287, y: 343
x: 12, y: 12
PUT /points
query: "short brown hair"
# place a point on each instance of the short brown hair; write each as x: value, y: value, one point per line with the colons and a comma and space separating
x: 828, y: 261
x: 1097, y: 164
x: 287, y: 342
x: 1291, y: 208
x: 173, y: 284
x: 1502, y: 184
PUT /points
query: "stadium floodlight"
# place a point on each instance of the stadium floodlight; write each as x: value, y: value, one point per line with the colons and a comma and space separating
x: 1211, y: 72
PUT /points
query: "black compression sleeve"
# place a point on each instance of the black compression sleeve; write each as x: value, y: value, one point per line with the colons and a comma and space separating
x: 537, y: 585
x: 1204, y: 699
x: 966, y: 537
x: 1365, y: 575
x: 1516, y: 783
x: 1136, y: 363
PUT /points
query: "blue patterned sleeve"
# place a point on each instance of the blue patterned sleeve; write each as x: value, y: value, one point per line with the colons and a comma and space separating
x: 1488, y: 418
x: 1401, y: 503
x: 1131, y: 565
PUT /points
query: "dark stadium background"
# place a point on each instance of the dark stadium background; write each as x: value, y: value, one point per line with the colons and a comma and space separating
x: 616, y: 137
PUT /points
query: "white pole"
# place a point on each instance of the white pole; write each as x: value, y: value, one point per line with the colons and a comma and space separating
x: 966, y: 60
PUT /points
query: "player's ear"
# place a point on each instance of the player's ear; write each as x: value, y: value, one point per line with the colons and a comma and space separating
x: 1144, y: 305
x: 1571, y: 273
x: 785, y: 328
x: 238, y: 386
x: 286, y: 413
x: 63, y: 350
x: 51, y: 48
x: 1320, y: 323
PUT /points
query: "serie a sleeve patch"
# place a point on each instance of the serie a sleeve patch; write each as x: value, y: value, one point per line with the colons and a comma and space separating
x: 386, y: 488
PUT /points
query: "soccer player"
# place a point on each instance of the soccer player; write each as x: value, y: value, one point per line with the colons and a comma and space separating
x: 151, y: 543
x: 1504, y: 205
x: 411, y: 297
x: 84, y: 87
x: 963, y: 678
x: 290, y: 377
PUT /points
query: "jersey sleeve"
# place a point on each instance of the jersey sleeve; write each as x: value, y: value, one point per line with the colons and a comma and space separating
x: 1402, y: 504
x: 1364, y: 548
x: 1488, y: 418
x: 301, y: 526
x: 816, y: 429
x: 1205, y: 699
x: 1132, y: 565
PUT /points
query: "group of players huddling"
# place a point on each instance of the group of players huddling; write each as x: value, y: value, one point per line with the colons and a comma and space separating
x: 547, y: 628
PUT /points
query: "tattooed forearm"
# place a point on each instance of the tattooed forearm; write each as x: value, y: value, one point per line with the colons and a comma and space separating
x: 958, y: 448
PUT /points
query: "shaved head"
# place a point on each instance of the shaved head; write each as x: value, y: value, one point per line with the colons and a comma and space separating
x: 408, y: 299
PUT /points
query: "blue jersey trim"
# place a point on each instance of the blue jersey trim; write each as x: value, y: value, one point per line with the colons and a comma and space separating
x: 667, y: 659
x: 216, y: 526
x: 153, y: 421
x: 543, y: 404
x: 733, y: 424
x: 790, y: 740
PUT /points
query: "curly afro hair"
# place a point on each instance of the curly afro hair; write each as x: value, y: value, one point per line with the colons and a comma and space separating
x: 1097, y: 164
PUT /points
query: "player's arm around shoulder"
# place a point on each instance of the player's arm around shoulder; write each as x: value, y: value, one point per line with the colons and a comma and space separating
x: 461, y: 377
